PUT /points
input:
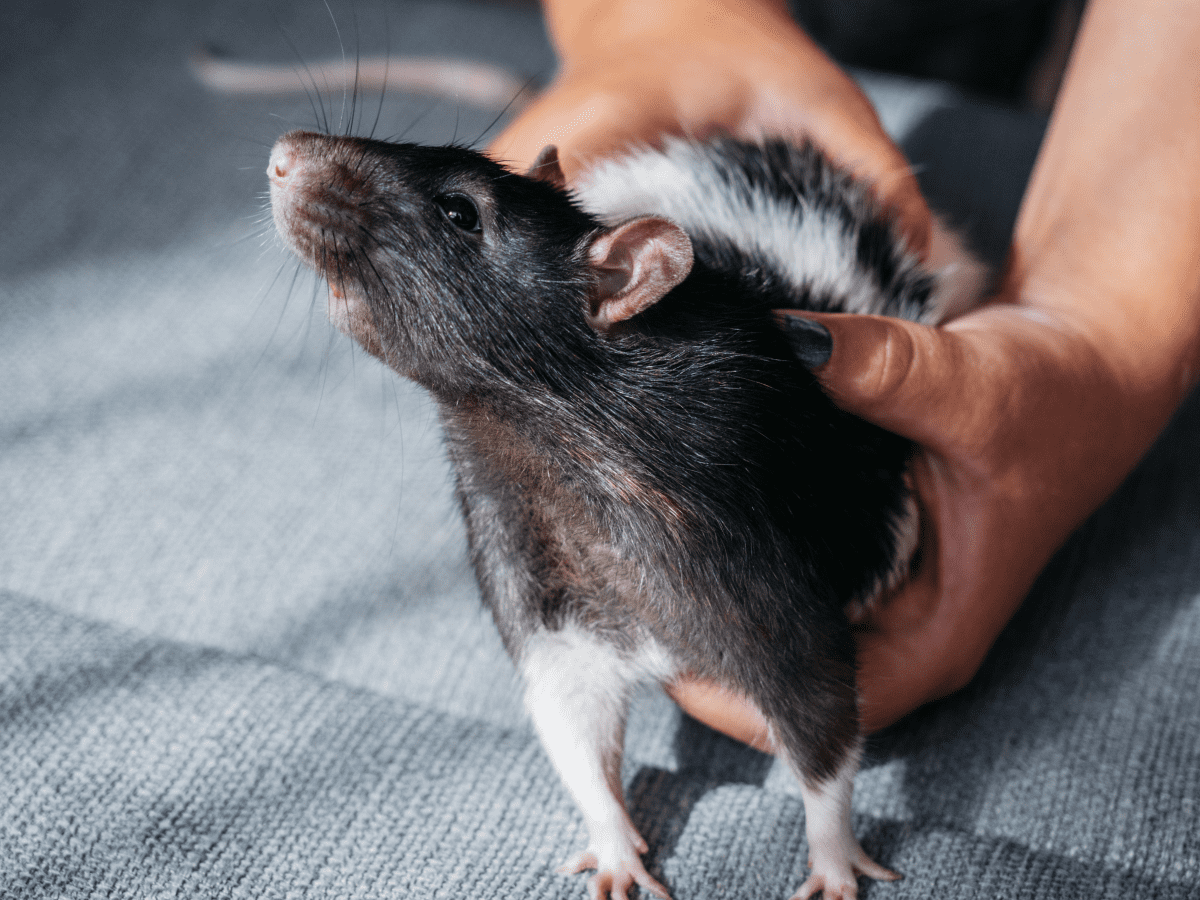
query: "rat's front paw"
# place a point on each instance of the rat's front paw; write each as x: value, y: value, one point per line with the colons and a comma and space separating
x: 616, y: 872
x: 836, y: 879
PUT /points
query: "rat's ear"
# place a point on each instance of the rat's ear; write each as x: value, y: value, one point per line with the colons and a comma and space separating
x: 546, y: 168
x: 636, y: 264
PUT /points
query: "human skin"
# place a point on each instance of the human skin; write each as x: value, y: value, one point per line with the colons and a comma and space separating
x: 1029, y: 411
x: 631, y: 72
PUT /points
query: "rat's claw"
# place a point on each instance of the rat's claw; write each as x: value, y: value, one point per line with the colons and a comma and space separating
x: 653, y: 886
x: 609, y: 885
x: 829, y: 889
x: 839, y: 882
x: 864, y: 865
x: 577, y: 863
x: 612, y: 881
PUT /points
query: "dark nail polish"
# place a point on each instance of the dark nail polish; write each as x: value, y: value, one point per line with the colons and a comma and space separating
x: 811, y: 341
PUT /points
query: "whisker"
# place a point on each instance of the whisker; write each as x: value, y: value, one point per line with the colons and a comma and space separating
x: 509, y: 105
x: 314, y: 96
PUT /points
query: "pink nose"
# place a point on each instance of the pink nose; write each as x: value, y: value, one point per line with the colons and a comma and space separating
x: 282, y: 161
x: 296, y: 156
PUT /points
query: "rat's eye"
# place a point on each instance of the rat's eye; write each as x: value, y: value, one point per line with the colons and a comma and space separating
x: 460, y: 210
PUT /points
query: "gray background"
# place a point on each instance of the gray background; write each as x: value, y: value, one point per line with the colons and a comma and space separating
x: 241, y: 654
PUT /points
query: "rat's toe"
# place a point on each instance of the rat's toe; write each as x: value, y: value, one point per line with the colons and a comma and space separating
x: 581, y: 861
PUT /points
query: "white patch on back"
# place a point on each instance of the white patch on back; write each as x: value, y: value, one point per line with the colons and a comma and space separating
x: 814, y: 248
x: 682, y: 184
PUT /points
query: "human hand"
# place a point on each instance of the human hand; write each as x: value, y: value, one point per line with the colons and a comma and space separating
x: 1030, y: 411
x: 1025, y: 424
x: 632, y: 73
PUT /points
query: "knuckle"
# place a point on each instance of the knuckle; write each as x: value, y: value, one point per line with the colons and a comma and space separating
x: 891, y: 369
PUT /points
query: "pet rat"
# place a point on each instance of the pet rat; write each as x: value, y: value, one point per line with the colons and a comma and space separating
x: 652, y: 485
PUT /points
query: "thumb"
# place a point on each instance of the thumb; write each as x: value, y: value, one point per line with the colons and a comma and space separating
x: 904, y: 377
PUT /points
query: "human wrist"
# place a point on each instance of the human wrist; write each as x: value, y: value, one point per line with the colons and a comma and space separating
x: 1145, y: 333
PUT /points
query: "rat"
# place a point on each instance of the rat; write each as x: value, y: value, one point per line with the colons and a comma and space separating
x: 653, y: 486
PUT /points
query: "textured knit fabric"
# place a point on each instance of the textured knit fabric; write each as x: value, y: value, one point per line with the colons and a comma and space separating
x: 241, y: 652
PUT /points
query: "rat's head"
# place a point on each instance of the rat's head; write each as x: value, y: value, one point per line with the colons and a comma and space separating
x: 450, y: 268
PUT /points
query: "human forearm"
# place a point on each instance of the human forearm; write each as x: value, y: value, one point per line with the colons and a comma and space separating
x: 1109, y: 233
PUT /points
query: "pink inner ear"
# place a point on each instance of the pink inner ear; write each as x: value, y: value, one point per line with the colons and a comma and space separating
x: 637, y: 263
x: 547, y: 167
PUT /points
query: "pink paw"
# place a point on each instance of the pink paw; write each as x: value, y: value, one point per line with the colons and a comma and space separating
x: 614, y: 877
x: 837, y: 879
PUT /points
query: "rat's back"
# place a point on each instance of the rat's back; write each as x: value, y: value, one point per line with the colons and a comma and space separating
x: 775, y: 209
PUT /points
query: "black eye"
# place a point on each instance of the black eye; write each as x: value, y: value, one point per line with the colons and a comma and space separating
x: 460, y: 210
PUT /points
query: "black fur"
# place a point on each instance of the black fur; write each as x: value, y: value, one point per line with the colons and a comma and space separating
x: 680, y: 477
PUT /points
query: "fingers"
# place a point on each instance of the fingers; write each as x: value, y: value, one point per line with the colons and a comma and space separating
x: 918, y: 647
x: 917, y: 654
x: 930, y: 657
x: 898, y: 191
x: 897, y: 671
x: 556, y: 120
x: 930, y: 637
x: 752, y: 77
x: 589, y: 125
x: 905, y: 377
x: 722, y: 710
x: 589, y: 115
x: 855, y: 140
x: 864, y: 865
x: 652, y: 885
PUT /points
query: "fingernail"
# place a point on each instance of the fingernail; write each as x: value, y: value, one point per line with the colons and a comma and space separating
x: 811, y: 341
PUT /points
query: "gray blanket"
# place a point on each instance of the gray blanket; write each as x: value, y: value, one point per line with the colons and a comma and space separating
x: 242, y: 654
